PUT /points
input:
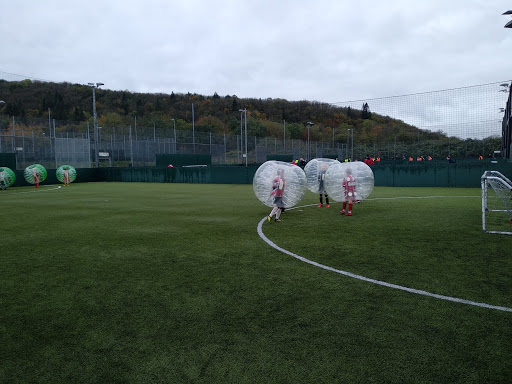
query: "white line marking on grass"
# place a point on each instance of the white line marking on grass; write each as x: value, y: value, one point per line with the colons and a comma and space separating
x: 34, y: 191
x: 416, y: 197
x: 373, y: 281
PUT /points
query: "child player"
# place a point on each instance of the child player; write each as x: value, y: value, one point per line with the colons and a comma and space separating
x: 277, y: 191
x: 321, y: 187
x: 349, y: 186
x: 66, y: 177
x: 35, y: 174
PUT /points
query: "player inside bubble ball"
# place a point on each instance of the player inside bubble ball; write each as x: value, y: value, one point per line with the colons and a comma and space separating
x: 349, y: 187
x: 278, y: 185
x: 321, y: 188
x: 66, y: 177
x: 3, y: 181
x: 35, y: 174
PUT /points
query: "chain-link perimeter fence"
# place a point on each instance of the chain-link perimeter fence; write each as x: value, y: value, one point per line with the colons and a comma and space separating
x: 459, y: 123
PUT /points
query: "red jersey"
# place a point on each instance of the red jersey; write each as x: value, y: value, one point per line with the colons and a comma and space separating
x: 349, y: 185
x: 278, y: 187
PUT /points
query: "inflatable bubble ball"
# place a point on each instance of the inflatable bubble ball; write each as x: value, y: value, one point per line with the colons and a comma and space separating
x: 272, y: 176
x: 33, y: 171
x: 315, y: 171
x: 7, y: 177
x: 64, y: 170
x: 362, y: 173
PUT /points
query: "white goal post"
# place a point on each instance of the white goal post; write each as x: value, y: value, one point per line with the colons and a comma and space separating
x: 496, y: 203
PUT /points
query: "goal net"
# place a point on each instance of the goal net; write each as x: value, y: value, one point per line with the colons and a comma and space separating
x: 496, y: 203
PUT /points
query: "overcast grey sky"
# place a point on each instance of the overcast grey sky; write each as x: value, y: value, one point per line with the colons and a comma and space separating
x: 321, y: 50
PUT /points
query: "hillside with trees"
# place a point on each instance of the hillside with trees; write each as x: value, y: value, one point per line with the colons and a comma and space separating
x: 32, y: 100
x: 220, y: 114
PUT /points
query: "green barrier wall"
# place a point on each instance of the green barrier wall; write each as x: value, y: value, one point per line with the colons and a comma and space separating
x: 401, y: 175
x: 464, y: 174
x: 202, y: 175
x: 386, y: 174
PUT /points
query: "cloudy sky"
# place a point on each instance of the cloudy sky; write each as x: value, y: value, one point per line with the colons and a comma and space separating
x: 320, y: 50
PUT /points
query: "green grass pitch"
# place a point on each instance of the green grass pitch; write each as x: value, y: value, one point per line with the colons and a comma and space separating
x: 171, y: 283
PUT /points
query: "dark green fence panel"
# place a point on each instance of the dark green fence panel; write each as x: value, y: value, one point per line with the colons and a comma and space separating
x: 436, y: 174
x: 429, y: 174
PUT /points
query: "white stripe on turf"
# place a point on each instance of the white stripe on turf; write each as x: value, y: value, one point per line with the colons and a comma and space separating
x: 373, y: 281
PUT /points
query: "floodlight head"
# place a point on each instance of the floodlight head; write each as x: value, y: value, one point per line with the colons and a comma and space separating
x: 509, y: 24
x: 310, y: 123
x: 2, y: 102
x: 504, y: 85
x: 99, y: 84
x: 507, y: 13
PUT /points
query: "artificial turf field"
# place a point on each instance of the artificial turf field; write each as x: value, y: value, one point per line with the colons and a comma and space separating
x: 171, y: 283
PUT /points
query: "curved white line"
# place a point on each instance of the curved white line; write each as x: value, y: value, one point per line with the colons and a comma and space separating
x: 373, y: 281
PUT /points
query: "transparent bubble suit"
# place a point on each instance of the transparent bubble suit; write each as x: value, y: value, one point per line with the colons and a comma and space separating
x: 60, y: 173
x: 8, y: 176
x: 28, y: 173
x: 315, y: 171
x: 362, y: 173
x: 264, y: 179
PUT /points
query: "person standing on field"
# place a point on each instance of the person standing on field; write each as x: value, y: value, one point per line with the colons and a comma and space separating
x: 277, y: 192
x: 321, y: 188
x: 349, y: 187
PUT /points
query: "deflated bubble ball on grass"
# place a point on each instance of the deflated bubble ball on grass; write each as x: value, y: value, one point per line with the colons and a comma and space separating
x: 265, y: 179
x: 362, y: 173
x: 315, y: 171
x: 8, y: 176
x: 60, y: 173
x: 35, y: 168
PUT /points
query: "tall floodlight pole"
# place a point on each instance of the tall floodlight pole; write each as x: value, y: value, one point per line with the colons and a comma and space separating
x: 1, y: 103
x: 309, y: 141
x: 246, y: 154
x: 284, y: 134
x: 352, y: 156
x: 241, y: 136
x: 348, y: 140
x: 174, y: 125
x: 245, y: 117
x: 193, y: 129
x: 95, y: 121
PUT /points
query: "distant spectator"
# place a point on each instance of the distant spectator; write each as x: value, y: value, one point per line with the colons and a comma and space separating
x: 302, y: 162
x: 480, y: 157
x: 368, y: 160
x: 450, y: 160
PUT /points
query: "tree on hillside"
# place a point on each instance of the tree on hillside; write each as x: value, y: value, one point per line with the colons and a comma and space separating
x: 365, y: 113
